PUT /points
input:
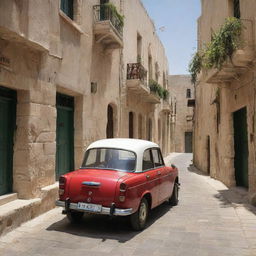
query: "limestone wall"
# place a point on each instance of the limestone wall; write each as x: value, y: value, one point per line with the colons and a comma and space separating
x: 178, y: 85
x: 233, y: 95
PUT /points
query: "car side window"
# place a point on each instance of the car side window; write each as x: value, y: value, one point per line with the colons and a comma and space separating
x: 147, y: 160
x: 158, y: 161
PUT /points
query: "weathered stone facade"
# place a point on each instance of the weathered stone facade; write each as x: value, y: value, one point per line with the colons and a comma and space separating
x: 182, y: 94
x: 43, y: 54
x: 221, y: 98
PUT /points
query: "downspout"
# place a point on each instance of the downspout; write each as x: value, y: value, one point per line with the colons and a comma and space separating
x: 121, y: 75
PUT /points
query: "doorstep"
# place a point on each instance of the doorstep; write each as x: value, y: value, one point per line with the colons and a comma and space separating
x: 15, y: 212
x: 8, y: 198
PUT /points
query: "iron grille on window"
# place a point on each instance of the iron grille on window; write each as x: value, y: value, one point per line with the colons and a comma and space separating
x: 67, y: 7
x: 237, y: 9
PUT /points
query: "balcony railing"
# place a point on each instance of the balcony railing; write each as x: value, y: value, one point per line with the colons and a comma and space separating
x: 137, y: 71
x: 106, y: 13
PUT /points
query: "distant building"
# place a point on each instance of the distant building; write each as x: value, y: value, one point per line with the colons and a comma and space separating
x: 182, y: 96
x: 72, y: 72
x: 225, y: 117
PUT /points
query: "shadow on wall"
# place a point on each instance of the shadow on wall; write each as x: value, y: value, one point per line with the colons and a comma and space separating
x: 231, y: 197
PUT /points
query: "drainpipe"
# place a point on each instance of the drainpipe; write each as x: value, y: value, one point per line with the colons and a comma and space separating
x: 121, y: 80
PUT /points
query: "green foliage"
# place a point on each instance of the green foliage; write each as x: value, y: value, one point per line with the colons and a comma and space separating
x: 222, y: 46
x: 158, y: 90
x: 195, y: 66
x: 116, y: 13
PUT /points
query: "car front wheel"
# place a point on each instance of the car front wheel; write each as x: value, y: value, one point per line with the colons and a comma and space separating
x: 139, y: 218
x: 74, y: 217
x: 174, y: 199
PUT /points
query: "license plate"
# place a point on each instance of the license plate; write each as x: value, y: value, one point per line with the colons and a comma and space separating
x: 89, y: 207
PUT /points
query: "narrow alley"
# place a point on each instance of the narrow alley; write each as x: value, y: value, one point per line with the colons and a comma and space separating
x: 209, y: 220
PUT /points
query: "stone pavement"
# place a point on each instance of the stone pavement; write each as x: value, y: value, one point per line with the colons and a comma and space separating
x: 210, y: 220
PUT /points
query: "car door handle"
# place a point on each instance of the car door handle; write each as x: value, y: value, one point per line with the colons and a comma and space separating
x: 158, y: 173
x: 147, y: 176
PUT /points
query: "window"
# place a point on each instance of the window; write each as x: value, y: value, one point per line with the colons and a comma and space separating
x: 67, y: 6
x: 139, y: 47
x: 109, y: 158
x: 188, y: 93
x: 147, y: 160
x: 157, y: 158
x: 236, y: 4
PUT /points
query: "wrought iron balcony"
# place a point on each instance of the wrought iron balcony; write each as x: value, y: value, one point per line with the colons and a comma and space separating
x: 108, y: 26
x: 241, y: 58
x: 137, y: 79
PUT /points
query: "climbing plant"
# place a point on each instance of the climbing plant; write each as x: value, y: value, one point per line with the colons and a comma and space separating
x: 222, y: 46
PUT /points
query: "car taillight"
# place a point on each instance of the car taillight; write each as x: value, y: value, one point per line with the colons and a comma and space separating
x: 62, y: 183
x: 123, y: 187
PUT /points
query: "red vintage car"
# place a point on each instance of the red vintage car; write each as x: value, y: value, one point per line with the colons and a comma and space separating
x: 119, y: 177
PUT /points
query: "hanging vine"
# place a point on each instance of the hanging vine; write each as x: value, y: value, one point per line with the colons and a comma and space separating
x: 223, y: 44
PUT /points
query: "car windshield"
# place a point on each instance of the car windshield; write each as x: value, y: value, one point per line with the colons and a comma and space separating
x: 110, y: 158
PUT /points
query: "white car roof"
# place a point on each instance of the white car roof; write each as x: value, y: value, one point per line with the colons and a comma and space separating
x: 135, y: 145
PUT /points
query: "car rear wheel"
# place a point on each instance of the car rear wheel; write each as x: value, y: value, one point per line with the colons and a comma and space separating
x: 174, y: 199
x: 75, y: 217
x: 139, y: 218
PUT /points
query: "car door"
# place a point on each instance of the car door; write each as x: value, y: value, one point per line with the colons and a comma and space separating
x: 152, y: 176
x: 163, y: 175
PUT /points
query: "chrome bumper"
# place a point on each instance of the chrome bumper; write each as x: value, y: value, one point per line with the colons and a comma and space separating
x: 104, y: 210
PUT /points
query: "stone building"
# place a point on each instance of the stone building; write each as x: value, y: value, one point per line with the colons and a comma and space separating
x: 182, y: 94
x: 63, y: 84
x: 225, y: 101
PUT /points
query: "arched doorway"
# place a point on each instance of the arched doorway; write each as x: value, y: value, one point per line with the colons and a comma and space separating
x: 140, y: 126
x: 149, y: 129
x: 110, y: 123
x: 131, y: 124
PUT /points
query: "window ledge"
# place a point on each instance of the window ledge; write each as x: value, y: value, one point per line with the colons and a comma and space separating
x: 71, y: 22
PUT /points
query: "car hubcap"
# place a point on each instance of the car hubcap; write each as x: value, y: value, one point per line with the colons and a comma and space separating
x: 143, y: 212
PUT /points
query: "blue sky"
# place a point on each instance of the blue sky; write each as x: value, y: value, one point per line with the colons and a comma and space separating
x: 179, y: 19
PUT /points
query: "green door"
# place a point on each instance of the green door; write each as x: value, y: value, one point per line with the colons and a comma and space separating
x: 7, y: 126
x: 241, y: 147
x: 188, y: 142
x: 64, y: 135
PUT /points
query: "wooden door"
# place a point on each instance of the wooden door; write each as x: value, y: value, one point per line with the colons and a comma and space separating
x: 64, y: 135
x: 7, y: 127
x: 241, y: 147
x: 188, y: 142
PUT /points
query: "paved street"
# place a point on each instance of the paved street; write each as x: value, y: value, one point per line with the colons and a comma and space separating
x: 209, y: 220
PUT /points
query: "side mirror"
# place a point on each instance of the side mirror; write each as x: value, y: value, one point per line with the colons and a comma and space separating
x: 173, y: 166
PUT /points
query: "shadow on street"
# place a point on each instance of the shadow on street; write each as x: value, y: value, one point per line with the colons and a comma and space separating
x: 231, y: 196
x: 105, y: 227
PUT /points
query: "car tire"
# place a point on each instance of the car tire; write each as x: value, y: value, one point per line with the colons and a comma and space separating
x: 174, y: 199
x: 139, y: 218
x: 75, y: 217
